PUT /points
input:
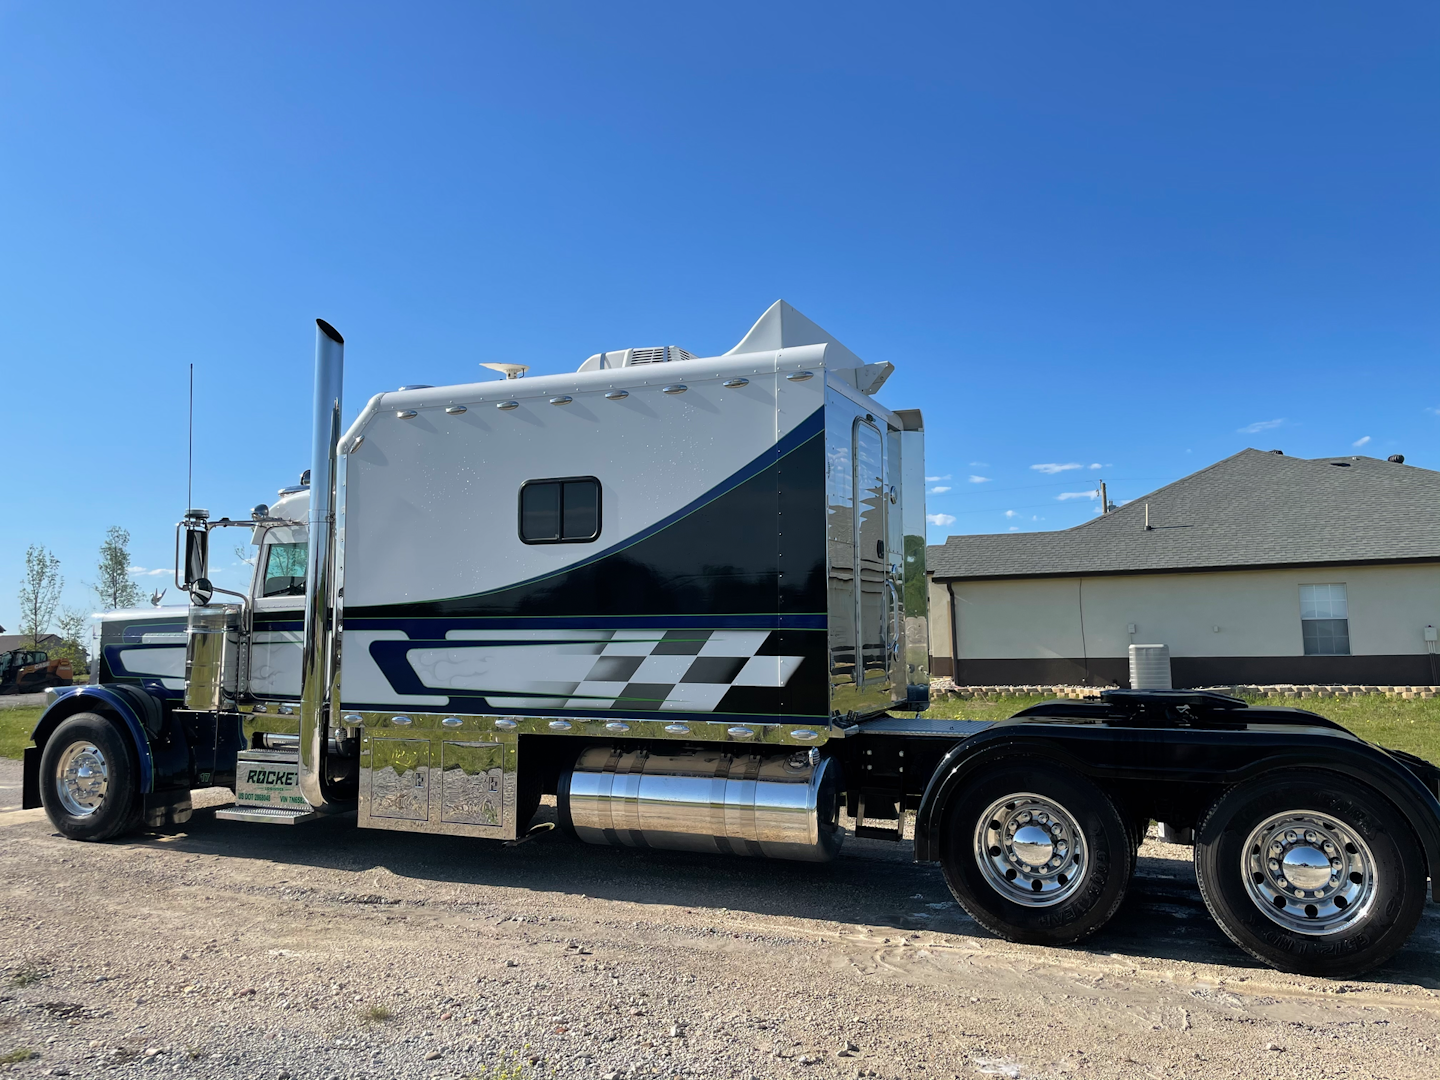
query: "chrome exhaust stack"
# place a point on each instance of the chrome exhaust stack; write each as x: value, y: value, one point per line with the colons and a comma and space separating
x: 318, y: 668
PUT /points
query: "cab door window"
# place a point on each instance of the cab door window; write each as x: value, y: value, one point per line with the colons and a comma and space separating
x: 285, y: 569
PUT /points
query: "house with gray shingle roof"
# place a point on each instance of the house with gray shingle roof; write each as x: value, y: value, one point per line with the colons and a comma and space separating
x: 1261, y: 568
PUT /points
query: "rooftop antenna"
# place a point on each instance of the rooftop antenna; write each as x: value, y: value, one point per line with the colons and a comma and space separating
x: 510, y: 371
x: 190, y: 466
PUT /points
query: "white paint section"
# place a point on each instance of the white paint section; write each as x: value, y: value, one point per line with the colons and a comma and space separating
x: 767, y: 670
x: 361, y: 680
x: 734, y: 642
x: 662, y: 669
x: 168, y: 663
x: 552, y: 669
x: 591, y: 671
x: 596, y: 695
x: 694, y: 697
x: 427, y: 495
x: 275, y: 662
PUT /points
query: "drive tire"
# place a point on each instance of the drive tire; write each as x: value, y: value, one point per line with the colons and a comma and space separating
x: 1385, y: 877
x: 89, y: 779
x: 976, y: 858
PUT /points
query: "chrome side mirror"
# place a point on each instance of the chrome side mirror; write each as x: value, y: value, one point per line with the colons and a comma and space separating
x: 201, y: 591
x: 197, y: 557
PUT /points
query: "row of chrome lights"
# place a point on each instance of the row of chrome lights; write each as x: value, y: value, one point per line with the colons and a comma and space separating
x: 615, y: 726
x: 610, y: 395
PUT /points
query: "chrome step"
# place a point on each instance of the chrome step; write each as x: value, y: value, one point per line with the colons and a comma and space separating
x: 265, y: 815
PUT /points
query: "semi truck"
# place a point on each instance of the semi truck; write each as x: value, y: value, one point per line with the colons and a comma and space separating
x: 685, y: 596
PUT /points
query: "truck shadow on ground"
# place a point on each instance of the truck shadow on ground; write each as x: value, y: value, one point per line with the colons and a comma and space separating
x: 872, y: 884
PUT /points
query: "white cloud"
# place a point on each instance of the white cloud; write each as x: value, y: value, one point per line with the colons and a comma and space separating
x: 1013, y: 528
x: 939, y: 490
x: 140, y: 571
x: 1050, y: 468
x: 1361, y: 441
x: 940, y: 519
x: 1259, y: 426
x: 1064, y: 495
x: 1097, y: 510
x: 1436, y: 412
x: 979, y: 464
x: 979, y: 479
x: 1010, y: 513
x: 1096, y: 465
x: 933, y: 479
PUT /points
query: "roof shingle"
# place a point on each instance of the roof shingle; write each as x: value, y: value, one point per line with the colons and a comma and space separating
x: 1255, y: 508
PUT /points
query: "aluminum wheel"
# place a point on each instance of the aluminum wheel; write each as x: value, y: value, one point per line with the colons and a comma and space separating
x: 1030, y: 850
x: 1309, y: 872
x: 81, y: 779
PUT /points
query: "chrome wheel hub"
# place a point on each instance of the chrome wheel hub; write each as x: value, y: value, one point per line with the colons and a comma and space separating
x: 1309, y: 872
x: 82, y: 777
x: 1030, y: 850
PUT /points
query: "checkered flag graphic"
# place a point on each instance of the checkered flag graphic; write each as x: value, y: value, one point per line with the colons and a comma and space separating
x: 642, y: 669
x: 686, y: 670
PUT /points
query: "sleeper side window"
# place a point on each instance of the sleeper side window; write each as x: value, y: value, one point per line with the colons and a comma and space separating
x: 285, y: 569
x: 565, y: 510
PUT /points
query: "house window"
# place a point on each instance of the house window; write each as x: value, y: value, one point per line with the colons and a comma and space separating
x: 565, y: 510
x: 1324, y: 620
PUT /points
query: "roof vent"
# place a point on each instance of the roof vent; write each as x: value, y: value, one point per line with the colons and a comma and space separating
x: 1280, y: 452
x: 1398, y: 459
x: 1341, y: 464
x: 659, y: 354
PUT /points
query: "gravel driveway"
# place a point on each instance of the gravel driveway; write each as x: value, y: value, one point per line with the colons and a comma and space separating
x: 232, y: 950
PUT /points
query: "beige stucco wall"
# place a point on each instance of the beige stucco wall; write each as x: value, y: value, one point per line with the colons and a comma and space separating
x: 940, y: 623
x: 1257, y: 612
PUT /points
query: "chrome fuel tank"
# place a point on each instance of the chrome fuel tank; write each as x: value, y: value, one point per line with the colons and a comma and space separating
x: 781, y: 806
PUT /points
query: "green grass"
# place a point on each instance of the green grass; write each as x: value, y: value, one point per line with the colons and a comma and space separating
x: 1390, y: 722
x: 376, y: 1014
x: 26, y: 975
x: 15, y: 728
x: 16, y: 1056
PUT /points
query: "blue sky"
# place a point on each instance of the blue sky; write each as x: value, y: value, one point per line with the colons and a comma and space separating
x: 1136, y: 236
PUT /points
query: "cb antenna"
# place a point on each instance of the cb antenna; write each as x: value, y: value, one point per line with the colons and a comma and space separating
x: 190, y: 466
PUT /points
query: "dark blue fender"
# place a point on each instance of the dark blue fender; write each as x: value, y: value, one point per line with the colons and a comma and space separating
x: 140, y: 713
x: 1214, y: 758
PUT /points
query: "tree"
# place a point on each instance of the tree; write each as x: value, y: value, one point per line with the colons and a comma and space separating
x: 74, y: 625
x: 115, y: 589
x: 39, y: 592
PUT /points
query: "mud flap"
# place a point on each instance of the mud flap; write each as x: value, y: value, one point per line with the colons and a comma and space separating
x: 167, y: 808
x: 30, y: 788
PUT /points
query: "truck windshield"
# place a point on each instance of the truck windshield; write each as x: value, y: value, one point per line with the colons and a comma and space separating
x: 285, y: 569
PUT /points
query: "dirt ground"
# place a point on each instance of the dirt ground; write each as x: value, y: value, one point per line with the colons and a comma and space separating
x: 231, y: 950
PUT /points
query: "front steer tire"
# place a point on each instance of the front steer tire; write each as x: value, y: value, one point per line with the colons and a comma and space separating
x: 1036, y: 854
x: 1311, y: 872
x: 90, y: 780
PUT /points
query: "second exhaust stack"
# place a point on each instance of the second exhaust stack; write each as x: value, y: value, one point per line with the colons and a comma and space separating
x: 318, y: 649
